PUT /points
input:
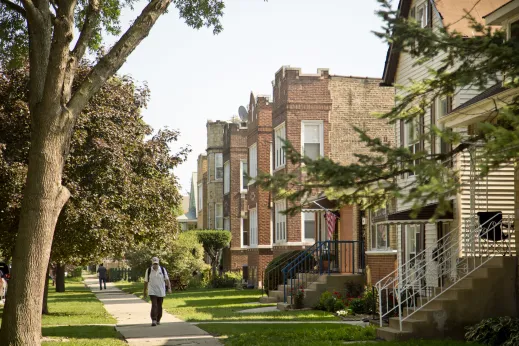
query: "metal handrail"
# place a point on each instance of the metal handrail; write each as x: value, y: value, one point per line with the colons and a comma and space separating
x: 275, y: 269
x: 410, y: 282
x: 312, y: 262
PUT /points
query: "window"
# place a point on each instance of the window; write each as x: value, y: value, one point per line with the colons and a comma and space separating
x: 253, y: 226
x: 441, y: 107
x: 421, y: 14
x: 380, y: 237
x: 218, y: 216
x: 243, y: 176
x: 312, y: 139
x: 226, y: 177
x: 281, y: 221
x: 279, y: 156
x: 218, y: 166
x: 411, y: 139
x: 309, y: 225
x: 514, y: 30
x: 253, y: 162
x: 227, y: 224
x: 245, y: 239
x: 200, y: 197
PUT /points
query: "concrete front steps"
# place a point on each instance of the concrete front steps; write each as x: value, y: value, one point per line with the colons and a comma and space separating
x: 314, y: 285
x: 487, y: 292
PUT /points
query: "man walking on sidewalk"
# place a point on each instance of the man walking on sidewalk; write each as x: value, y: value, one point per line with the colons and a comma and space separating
x: 102, y: 276
x: 155, y: 281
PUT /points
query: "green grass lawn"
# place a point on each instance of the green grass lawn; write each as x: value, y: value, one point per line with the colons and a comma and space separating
x: 318, y: 334
x: 223, y: 304
x: 71, y: 313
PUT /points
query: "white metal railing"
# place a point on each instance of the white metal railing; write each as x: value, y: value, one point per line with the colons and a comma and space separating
x: 436, y: 269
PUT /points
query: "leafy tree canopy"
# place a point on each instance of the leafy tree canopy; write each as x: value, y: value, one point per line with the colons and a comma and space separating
x: 119, y: 172
x: 476, y: 62
x: 214, y: 241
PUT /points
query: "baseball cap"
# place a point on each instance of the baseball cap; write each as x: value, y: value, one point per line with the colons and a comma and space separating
x: 155, y: 260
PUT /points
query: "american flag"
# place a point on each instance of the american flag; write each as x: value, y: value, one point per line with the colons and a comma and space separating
x: 330, y: 221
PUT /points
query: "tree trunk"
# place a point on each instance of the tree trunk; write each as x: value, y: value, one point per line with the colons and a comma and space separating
x: 43, y: 199
x: 60, y: 277
x: 45, y: 307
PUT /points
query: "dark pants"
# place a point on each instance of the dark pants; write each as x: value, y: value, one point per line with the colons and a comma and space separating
x: 156, y: 308
x: 102, y: 280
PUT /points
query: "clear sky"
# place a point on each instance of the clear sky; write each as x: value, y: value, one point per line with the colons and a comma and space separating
x: 195, y: 76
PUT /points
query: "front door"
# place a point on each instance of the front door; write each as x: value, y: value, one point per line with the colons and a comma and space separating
x: 414, y: 245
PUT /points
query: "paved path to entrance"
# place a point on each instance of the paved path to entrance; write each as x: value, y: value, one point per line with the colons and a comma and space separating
x: 133, y: 320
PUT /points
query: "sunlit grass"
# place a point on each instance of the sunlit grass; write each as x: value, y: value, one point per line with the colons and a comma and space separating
x: 223, y: 305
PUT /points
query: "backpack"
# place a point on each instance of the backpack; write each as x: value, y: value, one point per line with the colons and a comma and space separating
x: 148, y: 271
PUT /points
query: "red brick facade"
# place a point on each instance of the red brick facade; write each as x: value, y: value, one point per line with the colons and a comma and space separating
x: 380, y: 265
x: 234, y: 152
x: 260, y: 134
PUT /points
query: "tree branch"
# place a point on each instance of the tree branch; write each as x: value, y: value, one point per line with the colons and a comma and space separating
x: 87, y: 32
x: 15, y: 7
x: 115, y: 58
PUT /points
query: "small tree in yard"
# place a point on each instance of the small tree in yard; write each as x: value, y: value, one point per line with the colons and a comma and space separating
x: 214, y: 241
x: 181, y: 256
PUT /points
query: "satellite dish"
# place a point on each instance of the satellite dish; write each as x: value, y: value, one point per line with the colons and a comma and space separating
x: 242, y: 111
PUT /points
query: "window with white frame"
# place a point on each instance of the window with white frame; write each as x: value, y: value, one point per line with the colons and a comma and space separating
x: 253, y: 162
x: 280, y: 136
x: 308, y: 225
x: 226, y: 177
x: 411, y: 139
x: 218, y: 216
x: 244, y: 181
x: 218, y: 166
x: 281, y: 221
x: 253, y: 226
x: 421, y: 14
x: 380, y: 237
x: 200, y: 197
x: 312, y: 139
x: 513, y: 30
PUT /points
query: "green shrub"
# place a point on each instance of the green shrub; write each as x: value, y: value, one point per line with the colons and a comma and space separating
x: 228, y: 280
x: 353, y: 289
x: 357, y: 306
x: 182, y: 257
x: 370, y: 300
x: 500, y: 331
x: 339, y: 305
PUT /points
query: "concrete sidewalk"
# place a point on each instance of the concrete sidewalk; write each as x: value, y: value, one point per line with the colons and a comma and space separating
x: 133, y: 320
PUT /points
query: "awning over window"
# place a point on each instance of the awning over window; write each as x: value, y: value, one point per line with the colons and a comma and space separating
x: 320, y: 204
x: 425, y: 214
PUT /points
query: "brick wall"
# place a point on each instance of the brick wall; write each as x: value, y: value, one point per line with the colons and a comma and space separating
x: 234, y: 151
x: 214, y: 187
x: 380, y: 265
x: 201, y: 170
x: 355, y: 101
x: 260, y: 132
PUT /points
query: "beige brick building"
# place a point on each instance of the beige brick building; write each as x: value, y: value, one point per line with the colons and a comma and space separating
x: 316, y: 113
x: 201, y: 191
x: 214, y: 201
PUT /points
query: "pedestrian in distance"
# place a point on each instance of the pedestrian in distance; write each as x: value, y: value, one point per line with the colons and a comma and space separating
x: 156, y: 284
x: 101, y: 271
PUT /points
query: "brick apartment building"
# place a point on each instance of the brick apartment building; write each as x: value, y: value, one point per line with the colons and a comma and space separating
x: 213, y: 203
x: 234, y: 191
x: 316, y: 113
x: 259, y: 143
x: 201, y: 191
